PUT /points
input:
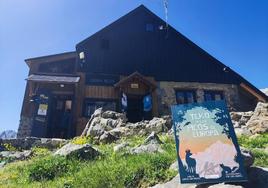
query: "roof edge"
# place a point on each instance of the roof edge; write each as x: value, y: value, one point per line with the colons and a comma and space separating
x: 53, y: 57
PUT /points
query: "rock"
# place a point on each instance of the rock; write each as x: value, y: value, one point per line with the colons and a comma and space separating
x: 114, y: 115
x: 149, y: 148
x: 120, y: 131
x: 242, y: 131
x: 157, y: 125
x: 85, y: 151
x: 121, y: 146
x: 136, y: 126
x: 240, y: 119
x: 151, y: 145
x: 248, y: 157
x: 258, y: 177
x: 96, y: 129
x: 102, y: 122
x: 153, y: 139
x: 258, y: 123
x: 222, y: 185
x: 97, y: 112
x: 175, y: 183
x: 15, y: 155
x: 2, y: 164
x: 107, y: 137
x: 174, y: 166
x: 168, y: 120
x: 235, y: 116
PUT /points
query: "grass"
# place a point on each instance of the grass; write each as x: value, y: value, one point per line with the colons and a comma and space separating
x: 109, y: 170
x: 256, y: 145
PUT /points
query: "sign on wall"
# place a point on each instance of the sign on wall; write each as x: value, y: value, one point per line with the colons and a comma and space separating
x: 206, y: 143
x: 42, y: 110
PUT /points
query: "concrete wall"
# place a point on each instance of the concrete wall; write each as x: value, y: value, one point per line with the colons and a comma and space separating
x: 166, y: 93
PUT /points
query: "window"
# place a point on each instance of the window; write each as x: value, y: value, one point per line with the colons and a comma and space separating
x: 101, y: 79
x: 149, y: 27
x: 185, y: 96
x: 92, y: 104
x: 213, y: 95
x: 63, y: 66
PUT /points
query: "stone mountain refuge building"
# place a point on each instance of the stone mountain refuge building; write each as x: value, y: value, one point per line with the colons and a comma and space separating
x: 136, y: 64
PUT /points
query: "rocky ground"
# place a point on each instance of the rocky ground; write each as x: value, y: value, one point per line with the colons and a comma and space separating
x: 108, y: 137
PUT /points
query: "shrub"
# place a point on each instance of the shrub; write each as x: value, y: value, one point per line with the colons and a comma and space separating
x: 260, y: 141
x: 81, y: 140
x: 37, y: 151
x: 261, y: 158
x: 133, y: 179
x: 9, y: 147
x: 47, y: 168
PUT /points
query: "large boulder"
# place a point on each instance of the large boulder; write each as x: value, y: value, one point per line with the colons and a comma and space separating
x: 157, y: 125
x: 85, y: 151
x: 258, y: 123
x: 101, y: 122
x: 240, y: 119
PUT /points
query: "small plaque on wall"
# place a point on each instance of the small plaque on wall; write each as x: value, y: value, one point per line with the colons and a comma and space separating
x: 134, y: 86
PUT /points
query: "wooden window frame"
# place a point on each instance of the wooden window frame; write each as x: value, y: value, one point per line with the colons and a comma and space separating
x: 102, y: 78
x: 185, y: 91
x: 213, y: 94
x: 94, y: 100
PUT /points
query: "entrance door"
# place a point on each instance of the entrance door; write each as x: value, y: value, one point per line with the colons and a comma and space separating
x: 60, y: 117
x: 134, y: 108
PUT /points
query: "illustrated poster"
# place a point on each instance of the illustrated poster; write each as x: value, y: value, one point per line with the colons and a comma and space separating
x: 206, y: 143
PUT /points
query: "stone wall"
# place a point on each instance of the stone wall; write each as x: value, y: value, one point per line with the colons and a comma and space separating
x: 166, y: 93
x: 25, y: 127
x: 30, y: 142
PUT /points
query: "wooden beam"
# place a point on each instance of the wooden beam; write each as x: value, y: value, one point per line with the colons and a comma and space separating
x: 254, y: 93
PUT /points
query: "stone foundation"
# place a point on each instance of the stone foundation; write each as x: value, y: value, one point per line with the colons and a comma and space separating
x: 25, y: 127
x: 166, y: 93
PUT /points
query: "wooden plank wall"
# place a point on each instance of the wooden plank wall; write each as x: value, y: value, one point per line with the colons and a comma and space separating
x: 101, y: 92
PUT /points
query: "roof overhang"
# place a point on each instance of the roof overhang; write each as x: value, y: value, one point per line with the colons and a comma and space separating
x: 258, y: 94
x: 53, y: 79
x: 51, y: 58
x: 136, y: 75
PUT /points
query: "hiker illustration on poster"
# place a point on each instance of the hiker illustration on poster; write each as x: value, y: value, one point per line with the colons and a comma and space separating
x: 206, y: 143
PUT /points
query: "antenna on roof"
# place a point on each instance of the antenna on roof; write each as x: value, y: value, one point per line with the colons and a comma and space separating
x: 165, y: 2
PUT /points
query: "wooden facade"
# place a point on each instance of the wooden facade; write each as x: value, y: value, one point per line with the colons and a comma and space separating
x: 124, y: 59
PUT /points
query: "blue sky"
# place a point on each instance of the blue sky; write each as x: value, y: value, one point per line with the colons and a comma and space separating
x: 233, y: 31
